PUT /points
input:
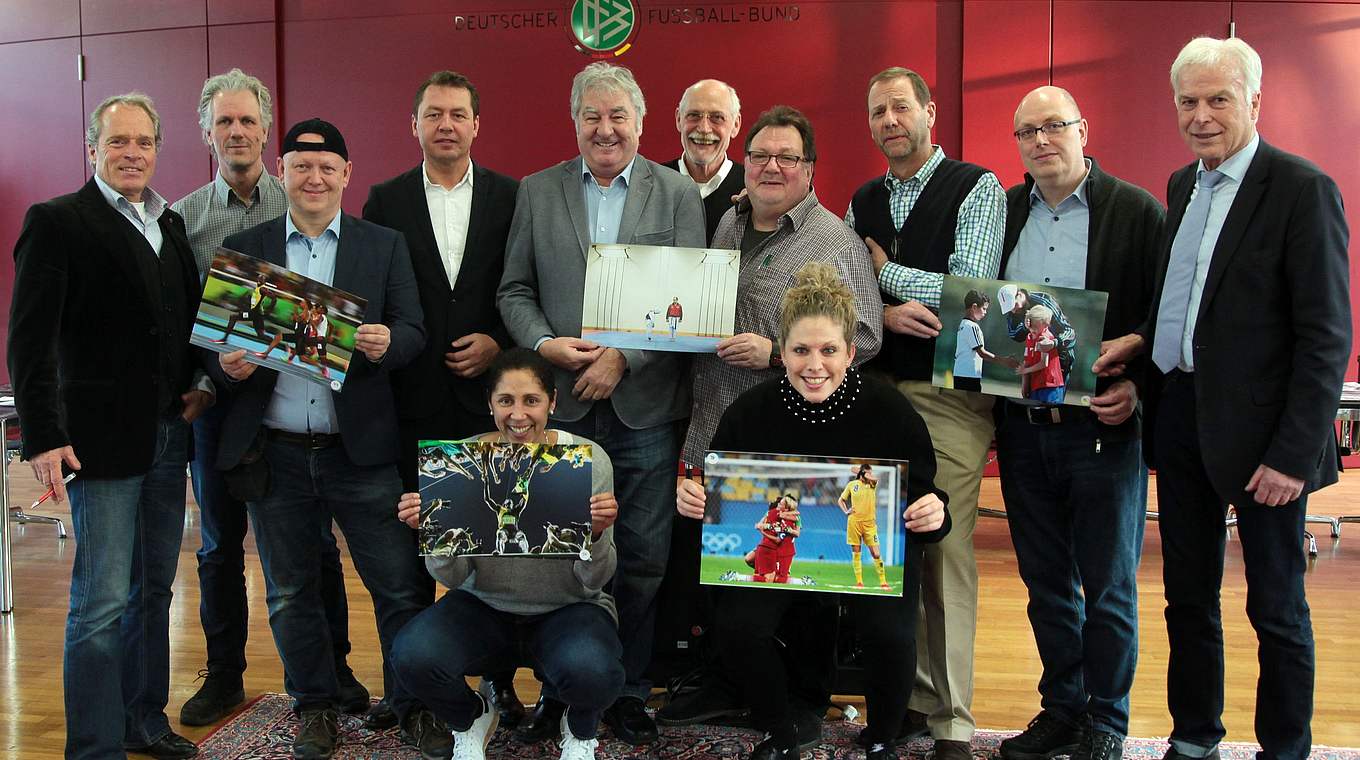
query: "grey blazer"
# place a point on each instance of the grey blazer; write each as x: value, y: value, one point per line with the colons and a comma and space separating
x: 543, y: 287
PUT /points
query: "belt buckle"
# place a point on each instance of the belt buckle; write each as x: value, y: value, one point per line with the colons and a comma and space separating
x: 1044, y: 415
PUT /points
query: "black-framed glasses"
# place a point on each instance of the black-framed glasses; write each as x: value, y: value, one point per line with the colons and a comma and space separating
x: 784, y: 160
x: 1050, y: 129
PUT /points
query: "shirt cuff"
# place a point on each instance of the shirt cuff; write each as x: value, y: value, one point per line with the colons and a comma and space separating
x: 539, y: 343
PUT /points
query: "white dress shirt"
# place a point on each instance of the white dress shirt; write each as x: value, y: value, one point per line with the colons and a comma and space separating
x: 706, y: 188
x: 450, y: 211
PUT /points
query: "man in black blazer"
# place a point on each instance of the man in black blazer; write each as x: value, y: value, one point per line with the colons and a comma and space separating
x: 330, y: 455
x: 708, y: 116
x: 1250, y: 333
x: 115, y: 410
x: 455, y: 216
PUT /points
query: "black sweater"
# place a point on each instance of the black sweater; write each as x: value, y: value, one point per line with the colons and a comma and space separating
x: 869, y: 418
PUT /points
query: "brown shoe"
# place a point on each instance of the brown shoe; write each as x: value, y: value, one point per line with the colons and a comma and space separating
x: 946, y: 749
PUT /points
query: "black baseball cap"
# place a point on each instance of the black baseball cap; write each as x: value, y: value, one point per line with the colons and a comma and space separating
x: 331, y: 140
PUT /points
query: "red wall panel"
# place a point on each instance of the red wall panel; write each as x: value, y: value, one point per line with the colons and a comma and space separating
x: 239, y: 11
x: 170, y: 66
x: 45, y: 158
x: 109, y: 16
x: 1005, y: 56
x: 1115, y: 59
x: 39, y: 19
x: 819, y: 63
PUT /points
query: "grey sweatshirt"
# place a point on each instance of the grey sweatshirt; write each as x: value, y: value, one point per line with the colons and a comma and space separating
x: 532, y: 587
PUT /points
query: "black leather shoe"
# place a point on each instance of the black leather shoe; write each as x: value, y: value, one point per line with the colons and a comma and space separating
x: 1047, y: 736
x: 216, y: 698
x: 702, y: 705
x: 352, y: 698
x: 913, y: 727
x: 381, y: 716
x: 948, y: 749
x: 880, y: 752
x: 317, y: 734
x: 769, y: 749
x: 170, y: 746
x: 630, y: 722
x: 428, y: 734
x: 543, y: 723
x: 1098, y: 745
x: 807, y: 724
x: 501, y: 694
x: 1172, y: 754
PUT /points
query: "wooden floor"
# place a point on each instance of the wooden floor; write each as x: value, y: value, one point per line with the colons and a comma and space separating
x: 31, y: 718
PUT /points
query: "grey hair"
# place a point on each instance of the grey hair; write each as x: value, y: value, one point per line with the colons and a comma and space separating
x: 233, y: 81
x: 1232, y: 53
x: 606, y: 76
x: 134, y: 98
x: 731, y: 92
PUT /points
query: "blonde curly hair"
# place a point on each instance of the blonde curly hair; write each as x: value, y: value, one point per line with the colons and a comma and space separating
x: 818, y: 292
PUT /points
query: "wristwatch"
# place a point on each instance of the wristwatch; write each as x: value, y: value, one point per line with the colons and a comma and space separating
x: 775, y: 361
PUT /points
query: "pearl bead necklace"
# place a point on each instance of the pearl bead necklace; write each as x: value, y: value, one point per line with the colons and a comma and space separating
x: 832, y: 409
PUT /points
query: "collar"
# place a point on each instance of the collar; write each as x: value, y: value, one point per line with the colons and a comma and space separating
x: 223, y: 192
x: 290, y: 229
x: 1081, y: 193
x: 1235, y: 167
x: 155, y: 204
x: 425, y: 177
x: 922, y: 175
x: 829, y: 410
x: 795, y: 216
x: 626, y: 174
x: 715, y: 180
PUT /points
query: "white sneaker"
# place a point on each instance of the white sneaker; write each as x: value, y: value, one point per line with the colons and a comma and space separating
x: 573, y: 748
x: 471, y: 744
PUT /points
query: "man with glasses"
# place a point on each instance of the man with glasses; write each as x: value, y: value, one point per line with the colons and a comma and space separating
x: 927, y: 217
x: 628, y: 401
x: 708, y: 116
x: 1073, y: 478
x: 779, y: 227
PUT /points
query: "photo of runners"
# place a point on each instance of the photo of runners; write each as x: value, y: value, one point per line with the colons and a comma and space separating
x: 283, y: 320
x: 1034, y: 343
x: 481, y: 499
x: 659, y: 298
x: 803, y: 523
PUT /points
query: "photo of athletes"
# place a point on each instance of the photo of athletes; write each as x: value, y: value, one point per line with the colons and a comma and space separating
x: 1034, y: 343
x: 283, y: 320
x: 482, y: 498
x: 804, y: 523
x: 659, y: 298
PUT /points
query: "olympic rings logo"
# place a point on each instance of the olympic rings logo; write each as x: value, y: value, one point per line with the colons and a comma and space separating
x: 721, y: 543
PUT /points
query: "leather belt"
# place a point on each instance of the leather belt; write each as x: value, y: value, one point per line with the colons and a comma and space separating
x: 312, y: 441
x: 1047, y: 415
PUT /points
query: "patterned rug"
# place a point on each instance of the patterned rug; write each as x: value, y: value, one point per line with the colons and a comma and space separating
x: 264, y: 731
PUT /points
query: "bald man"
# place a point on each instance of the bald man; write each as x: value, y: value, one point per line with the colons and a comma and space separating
x: 708, y: 116
x: 1073, y: 478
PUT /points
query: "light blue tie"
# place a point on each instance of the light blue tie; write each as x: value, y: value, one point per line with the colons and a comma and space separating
x: 1180, y: 276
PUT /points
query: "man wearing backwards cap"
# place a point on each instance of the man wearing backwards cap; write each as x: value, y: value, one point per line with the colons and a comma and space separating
x: 330, y: 455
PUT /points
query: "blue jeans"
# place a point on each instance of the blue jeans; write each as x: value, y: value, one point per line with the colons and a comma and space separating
x: 224, y: 609
x: 308, y: 489
x: 116, y: 668
x: 1076, y: 515
x: 644, y: 483
x: 575, y: 649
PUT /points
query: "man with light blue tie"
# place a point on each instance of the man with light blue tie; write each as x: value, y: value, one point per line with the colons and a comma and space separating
x: 330, y: 455
x: 628, y: 401
x: 1250, y: 335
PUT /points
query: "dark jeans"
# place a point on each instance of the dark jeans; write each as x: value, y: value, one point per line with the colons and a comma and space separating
x: 1076, y: 517
x: 746, y: 622
x: 1191, y: 524
x: 310, y: 488
x: 116, y: 662
x: 224, y: 609
x: 644, y: 484
x: 575, y: 649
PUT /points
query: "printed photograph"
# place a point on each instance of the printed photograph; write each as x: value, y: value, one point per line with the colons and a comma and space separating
x: 1033, y: 343
x: 775, y: 521
x: 283, y: 320
x: 480, y: 499
x: 659, y: 298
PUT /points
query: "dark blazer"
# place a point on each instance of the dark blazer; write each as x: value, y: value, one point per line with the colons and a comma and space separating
x: 425, y: 386
x: 1124, y: 245
x: 371, y: 262
x: 84, y: 347
x: 719, y: 201
x: 1273, y: 336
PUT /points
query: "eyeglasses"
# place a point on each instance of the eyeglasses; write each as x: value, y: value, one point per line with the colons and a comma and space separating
x: 718, y: 118
x: 1050, y: 129
x: 785, y: 161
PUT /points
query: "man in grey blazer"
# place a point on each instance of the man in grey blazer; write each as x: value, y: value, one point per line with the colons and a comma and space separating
x: 628, y: 401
